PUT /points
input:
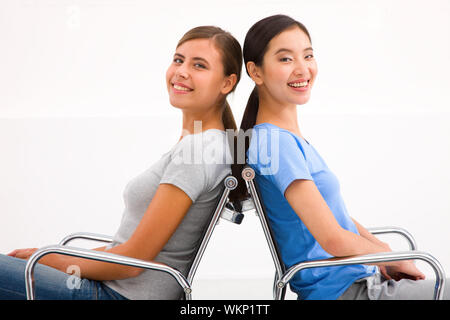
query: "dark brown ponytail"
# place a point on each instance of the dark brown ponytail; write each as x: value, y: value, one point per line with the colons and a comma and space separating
x: 228, y: 118
x: 255, y: 46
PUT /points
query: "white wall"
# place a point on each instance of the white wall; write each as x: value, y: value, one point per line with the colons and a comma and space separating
x: 83, y: 109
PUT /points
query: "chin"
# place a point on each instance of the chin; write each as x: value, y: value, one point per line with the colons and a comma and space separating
x: 177, y: 104
x: 302, y: 102
x: 303, y: 99
x: 299, y: 101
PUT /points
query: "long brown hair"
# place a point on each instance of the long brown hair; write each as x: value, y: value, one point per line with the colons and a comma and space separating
x: 231, y: 53
x: 255, y: 46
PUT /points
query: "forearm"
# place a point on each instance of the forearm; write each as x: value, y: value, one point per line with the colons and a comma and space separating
x: 351, y: 244
x: 348, y: 243
x: 369, y: 236
x: 92, y: 269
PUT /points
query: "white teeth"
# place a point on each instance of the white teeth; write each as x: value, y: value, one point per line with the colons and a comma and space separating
x: 298, y: 84
x: 181, y: 88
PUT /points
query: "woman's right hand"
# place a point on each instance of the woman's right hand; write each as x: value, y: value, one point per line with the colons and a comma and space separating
x: 22, y: 253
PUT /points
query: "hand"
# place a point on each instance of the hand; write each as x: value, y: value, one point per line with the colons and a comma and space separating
x: 402, y: 270
x: 384, y: 272
x: 22, y: 253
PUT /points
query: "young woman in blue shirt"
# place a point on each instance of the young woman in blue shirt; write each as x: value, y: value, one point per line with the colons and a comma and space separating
x: 300, y: 193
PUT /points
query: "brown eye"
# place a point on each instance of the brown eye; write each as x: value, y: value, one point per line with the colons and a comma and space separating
x: 199, y: 65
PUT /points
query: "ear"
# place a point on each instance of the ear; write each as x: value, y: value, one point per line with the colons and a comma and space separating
x: 255, y: 72
x: 229, y: 84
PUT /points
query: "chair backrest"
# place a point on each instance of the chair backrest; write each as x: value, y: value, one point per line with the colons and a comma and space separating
x: 248, y: 174
x: 220, y: 210
x: 225, y: 211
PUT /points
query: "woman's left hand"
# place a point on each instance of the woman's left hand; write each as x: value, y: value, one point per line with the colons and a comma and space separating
x: 402, y: 270
x: 384, y: 272
x: 22, y: 253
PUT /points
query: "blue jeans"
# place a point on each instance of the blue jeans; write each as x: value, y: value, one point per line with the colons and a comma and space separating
x: 49, y: 283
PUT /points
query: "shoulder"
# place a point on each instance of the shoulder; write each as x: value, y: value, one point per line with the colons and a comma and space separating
x: 216, y: 156
x: 276, y: 152
x: 270, y: 133
x: 203, y: 156
x: 203, y: 146
x: 267, y: 139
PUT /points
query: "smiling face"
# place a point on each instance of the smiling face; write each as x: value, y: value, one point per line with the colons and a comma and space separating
x: 195, y: 79
x: 288, y: 69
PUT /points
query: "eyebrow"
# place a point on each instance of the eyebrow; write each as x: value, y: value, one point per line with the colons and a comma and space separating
x: 194, y: 58
x: 290, y: 51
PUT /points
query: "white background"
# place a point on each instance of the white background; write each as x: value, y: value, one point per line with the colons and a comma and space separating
x: 83, y: 109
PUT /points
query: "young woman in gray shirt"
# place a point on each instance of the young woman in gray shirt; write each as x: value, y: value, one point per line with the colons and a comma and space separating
x: 166, y: 207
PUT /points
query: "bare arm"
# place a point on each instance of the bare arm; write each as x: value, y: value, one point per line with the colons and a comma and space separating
x: 369, y: 236
x: 308, y: 203
x: 402, y: 269
x: 165, y: 212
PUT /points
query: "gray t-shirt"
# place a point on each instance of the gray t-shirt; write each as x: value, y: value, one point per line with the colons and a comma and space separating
x: 197, y: 165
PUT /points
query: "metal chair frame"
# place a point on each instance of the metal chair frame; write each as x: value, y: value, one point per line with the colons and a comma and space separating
x: 283, y: 276
x: 230, y: 183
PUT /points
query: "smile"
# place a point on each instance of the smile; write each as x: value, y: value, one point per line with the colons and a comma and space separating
x: 298, y: 84
x: 181, y: 87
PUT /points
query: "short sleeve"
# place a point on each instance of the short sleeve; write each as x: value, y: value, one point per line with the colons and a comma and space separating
x: 198, y: 163
x: 190, y: 178
x: 277, y: 155
x: 185, y: 171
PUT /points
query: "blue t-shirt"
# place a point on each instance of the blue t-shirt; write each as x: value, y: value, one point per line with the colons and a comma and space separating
x: 279, y: 157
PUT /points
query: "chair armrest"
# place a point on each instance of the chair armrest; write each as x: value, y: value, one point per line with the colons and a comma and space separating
x: 86, y: 236
x: 372, y: 258
x: 99, y: 256
x: 403, y: 232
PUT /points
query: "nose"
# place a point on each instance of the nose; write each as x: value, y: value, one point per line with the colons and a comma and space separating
x: 301, y: 69
x: 181, y: 72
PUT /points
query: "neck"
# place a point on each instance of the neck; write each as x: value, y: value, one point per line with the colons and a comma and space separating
x: 281, y: 115
x: 196, y: 122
